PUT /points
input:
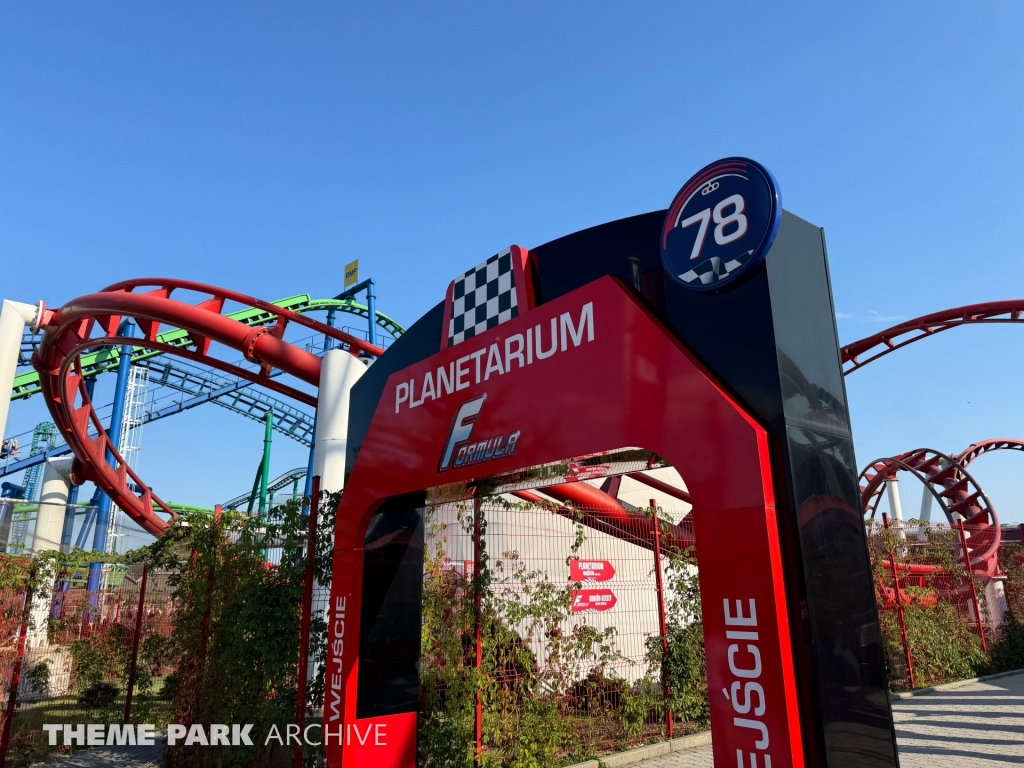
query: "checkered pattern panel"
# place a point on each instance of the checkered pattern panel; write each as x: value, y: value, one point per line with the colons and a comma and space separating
x: 482, y: 298
x: 714, y: 269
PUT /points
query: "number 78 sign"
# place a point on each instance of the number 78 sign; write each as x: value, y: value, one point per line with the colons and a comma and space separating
x: 721, y: 224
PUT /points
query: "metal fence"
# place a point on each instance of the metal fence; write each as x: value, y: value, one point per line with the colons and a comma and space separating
x: 936, y: 625
x: 541, y: 632
x: 75, y: 655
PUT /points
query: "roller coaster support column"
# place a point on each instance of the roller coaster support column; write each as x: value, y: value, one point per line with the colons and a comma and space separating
x: 371, y: 305
x: 339, y: 372
x: 892, y: 488
x: 268, y: 438
x: 14, y: 316
x: 53, y: 505
x: 99, y: 539
x: 69, y: 519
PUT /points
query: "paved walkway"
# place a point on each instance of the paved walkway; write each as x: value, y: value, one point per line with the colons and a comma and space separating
x: 980, y: 725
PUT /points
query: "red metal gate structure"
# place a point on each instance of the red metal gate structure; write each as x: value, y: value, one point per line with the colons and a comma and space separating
x: 603, y: 336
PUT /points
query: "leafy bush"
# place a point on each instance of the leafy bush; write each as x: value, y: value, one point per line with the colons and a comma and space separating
x: 98, y: 696
x: 38, y: 677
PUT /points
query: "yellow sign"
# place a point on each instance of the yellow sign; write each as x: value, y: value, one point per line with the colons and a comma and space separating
x: 351, y: 273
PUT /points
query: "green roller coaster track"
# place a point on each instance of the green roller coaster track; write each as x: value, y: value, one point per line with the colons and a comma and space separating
x: 95, y: 363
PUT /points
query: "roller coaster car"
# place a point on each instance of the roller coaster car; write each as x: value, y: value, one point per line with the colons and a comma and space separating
x: 9, y: 448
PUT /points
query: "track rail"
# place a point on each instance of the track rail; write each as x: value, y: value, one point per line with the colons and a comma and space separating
x: 858, y: 354
x: 69, y: 336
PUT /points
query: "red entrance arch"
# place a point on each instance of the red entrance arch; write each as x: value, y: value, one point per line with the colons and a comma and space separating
x: 602, y: 386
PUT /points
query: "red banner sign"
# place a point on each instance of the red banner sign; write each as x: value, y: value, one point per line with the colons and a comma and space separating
x: 590, y: 570
x: 593, y: 600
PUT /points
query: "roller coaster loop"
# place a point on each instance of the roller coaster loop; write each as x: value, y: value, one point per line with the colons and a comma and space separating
x: 958, y: 493
x: 68, y: 334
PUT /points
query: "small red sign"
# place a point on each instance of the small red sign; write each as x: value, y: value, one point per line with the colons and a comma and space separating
x: 593, y: 600
x: 590, y: 570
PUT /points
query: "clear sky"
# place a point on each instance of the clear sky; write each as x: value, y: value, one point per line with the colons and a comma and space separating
x: 262, y: 146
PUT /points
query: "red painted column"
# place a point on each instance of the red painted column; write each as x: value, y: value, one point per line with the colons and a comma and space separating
x: 306, y: 616
x: 136, y: 635
x: 662, y: 623
x: 899, y: 610
x: 12, y: 700
x: 477, y: 609
x: 974, y: 588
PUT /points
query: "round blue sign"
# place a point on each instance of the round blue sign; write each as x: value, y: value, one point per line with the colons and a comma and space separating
x: 721, y: 224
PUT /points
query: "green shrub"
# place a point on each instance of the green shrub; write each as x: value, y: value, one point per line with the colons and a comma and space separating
x: 98, y: 696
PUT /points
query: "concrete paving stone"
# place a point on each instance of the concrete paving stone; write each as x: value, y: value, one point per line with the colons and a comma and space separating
x: 978, y: 725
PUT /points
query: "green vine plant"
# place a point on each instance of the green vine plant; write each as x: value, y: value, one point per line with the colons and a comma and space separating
x: 942, y: 645
x: 562, y: 707
x: 684, y: 667
x: 236, y: 636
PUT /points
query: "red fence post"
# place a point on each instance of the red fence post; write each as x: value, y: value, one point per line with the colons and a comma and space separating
x: 135, y: 646
x: 306, y: 616
x: 477, y: 609
x: 974, y: 589
x: 899, y: 609
x: 661, y: 616
x: 12, y: 700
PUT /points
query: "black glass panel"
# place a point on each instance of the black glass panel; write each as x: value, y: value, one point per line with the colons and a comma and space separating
x: 389, y: 637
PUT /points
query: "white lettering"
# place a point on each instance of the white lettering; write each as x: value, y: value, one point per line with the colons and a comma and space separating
x: 459, y: 373
x: 517, y: 355
x: 401, y: 394
x: 413, y: 402
x: 293, y: 734
x: 240, y: 735
x: 428, y: 387
x: 761, y: 743
x: 196, y: 735
x: 363, y: 737
x: 739, y: 619
x: 339, y: 735
x: 743, y: 707
x: 219, y: 735
x: 576, y: 334
x: 120, y: 735
x: 446, y: 380
x: 541, y: 354
x: 305, y: 735
x: 476, y: 358
x: 493, y: 362
x: 754, y: 672
x: 274, y: 734
x: 74, y: 734
x: 175, y: 732
x: 51, y: 730
x: 379, y: 737
x: 146, y: 733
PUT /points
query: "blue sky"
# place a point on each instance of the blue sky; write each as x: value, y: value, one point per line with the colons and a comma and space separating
x: 262, y: 146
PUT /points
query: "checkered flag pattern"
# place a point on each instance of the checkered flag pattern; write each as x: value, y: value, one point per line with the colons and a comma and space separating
x: 482, y: 298
x: 714, y: 269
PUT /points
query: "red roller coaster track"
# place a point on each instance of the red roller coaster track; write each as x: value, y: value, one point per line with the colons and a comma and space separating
x: 69, y: 333
x: 860, y: 353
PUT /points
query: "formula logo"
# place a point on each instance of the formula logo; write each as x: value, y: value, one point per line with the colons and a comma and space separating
x: 464, y: 448
x: 593, y: 600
